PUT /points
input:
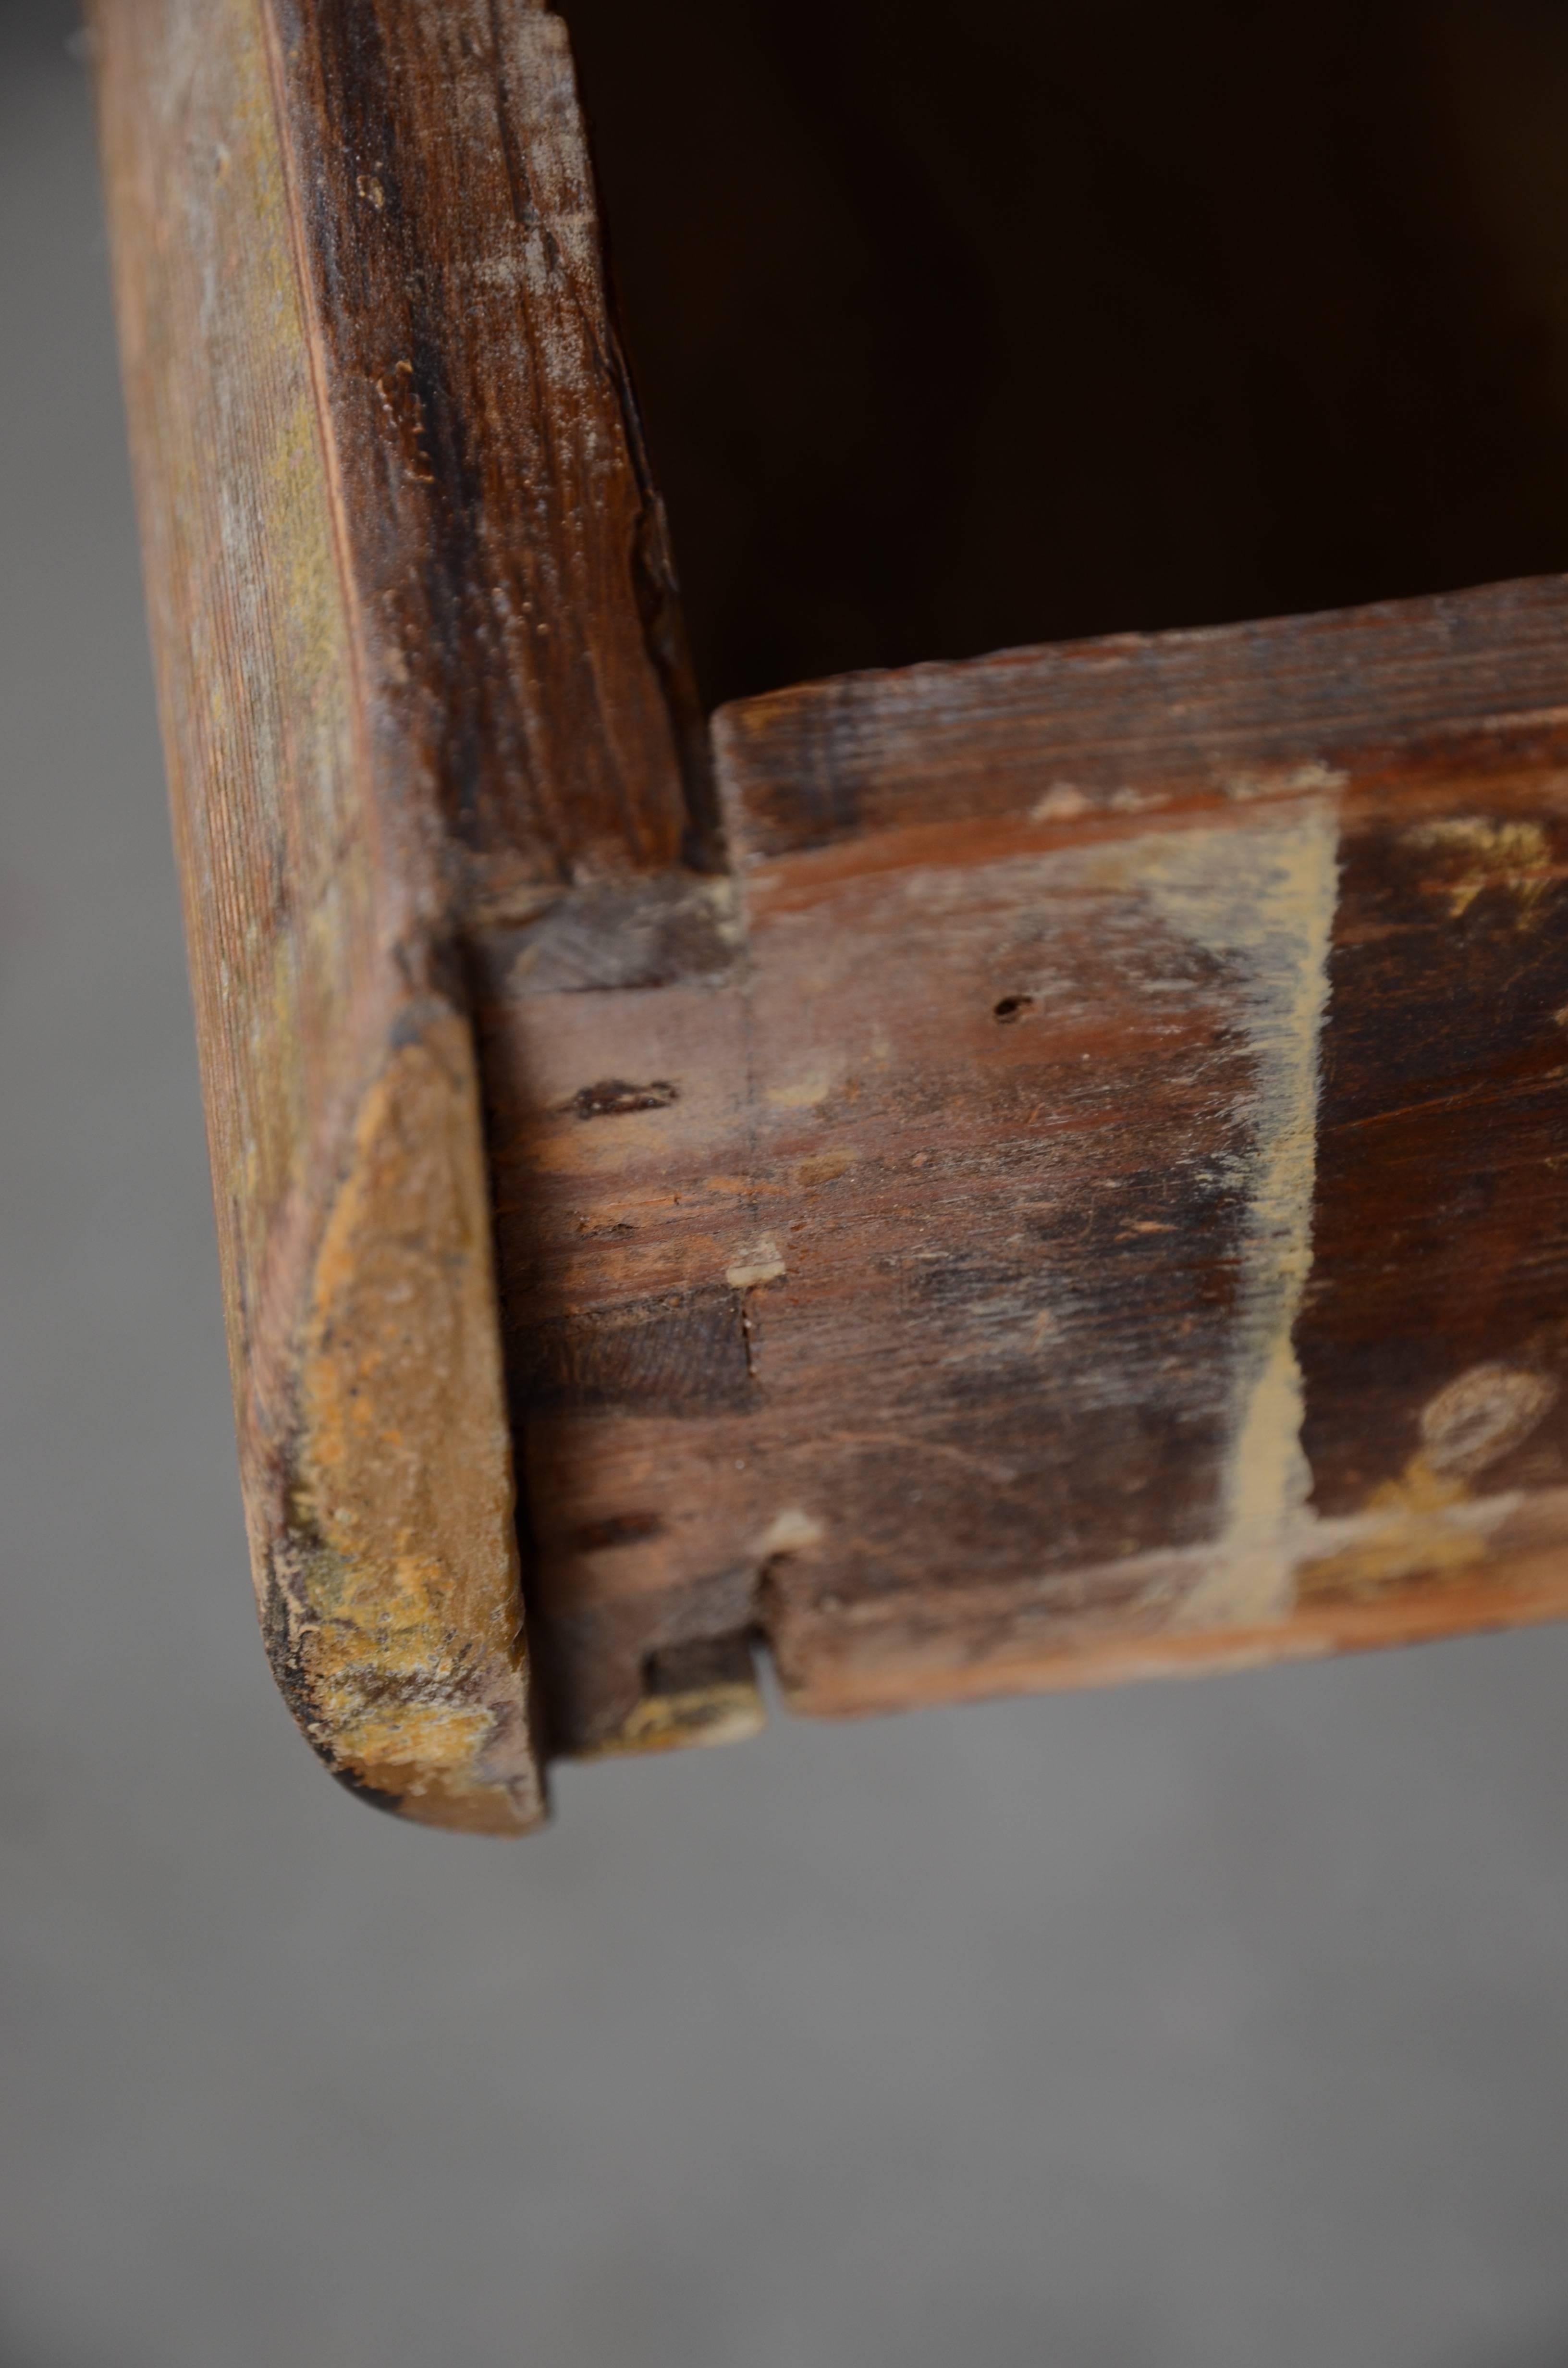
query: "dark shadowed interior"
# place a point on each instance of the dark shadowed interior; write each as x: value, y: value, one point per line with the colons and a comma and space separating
x: 961, y: 328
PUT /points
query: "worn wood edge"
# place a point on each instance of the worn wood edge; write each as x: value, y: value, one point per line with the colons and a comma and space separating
x: 392, y: 1611
x: 377, y: 1489
x: 641, y: 890
x: 805, y: 767
x: 731, y: 1713
x: 1522, y: 1590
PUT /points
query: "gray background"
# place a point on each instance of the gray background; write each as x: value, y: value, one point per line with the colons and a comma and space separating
x: 1203, y: 2026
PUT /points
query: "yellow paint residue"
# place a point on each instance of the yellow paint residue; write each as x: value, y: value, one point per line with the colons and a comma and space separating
x: 1407, y: 1536
x: 1292, y: 781
x: 1428, y: 1523
x: 1481, y: 1415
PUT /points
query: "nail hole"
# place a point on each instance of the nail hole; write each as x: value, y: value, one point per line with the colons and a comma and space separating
x: 613, y: 1097
x: 1012, y: 1006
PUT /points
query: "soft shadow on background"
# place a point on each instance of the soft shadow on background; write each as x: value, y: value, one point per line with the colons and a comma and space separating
x: 1195, y: 2026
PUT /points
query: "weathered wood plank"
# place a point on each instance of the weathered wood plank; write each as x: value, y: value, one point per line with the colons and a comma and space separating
x: 1140, y: 720
x: 521, y: 637
x: 1112, y: 1223
x: 338, y: 1073
x: 420, y: 669
x: 1326, y: 849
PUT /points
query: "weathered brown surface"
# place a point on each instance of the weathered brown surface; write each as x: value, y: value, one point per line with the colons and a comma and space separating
x: 526, y: 677
x: 1114, y: 1224
x: 419, y: 668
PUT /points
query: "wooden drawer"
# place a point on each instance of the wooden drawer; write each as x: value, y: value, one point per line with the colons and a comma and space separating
x: 1026, y: 1170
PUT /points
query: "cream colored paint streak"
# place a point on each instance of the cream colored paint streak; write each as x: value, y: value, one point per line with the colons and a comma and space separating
x: 1266, y: 895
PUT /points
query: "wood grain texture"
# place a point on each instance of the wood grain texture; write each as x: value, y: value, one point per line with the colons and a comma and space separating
x: 1112, y: 1221
x: 1138, y: 721
x: 508, y: 553
x: 419, y: 668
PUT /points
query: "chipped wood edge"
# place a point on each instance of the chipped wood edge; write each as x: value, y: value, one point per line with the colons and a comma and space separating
x: 394, y: 1617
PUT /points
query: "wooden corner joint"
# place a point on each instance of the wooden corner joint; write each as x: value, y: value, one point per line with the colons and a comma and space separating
x: 1075, y: 1196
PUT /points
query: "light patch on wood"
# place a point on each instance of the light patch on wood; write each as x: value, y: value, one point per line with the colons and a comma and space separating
x: 1290, y: 780
x: 1512, y: 855
x: 793, y: 1531
x: 1408, y: 1530
x: 400, y: 1568
x: 718, y: 1714
x: 807, y: 1088
x: 756, y: 1262
x: 826, y: 1168
x: 1264, y: 898
x: 1481, y: 1416
x: 622, y: 1143
x: 1428, y: 1523
x: 1062, y: 802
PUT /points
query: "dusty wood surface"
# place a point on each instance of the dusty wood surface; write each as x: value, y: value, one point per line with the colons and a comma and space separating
x: 419, y: 665
x: 1115, y: 1222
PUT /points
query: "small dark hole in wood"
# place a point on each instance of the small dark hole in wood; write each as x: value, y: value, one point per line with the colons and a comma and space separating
x: 1012, y: 1006
x: 614, y: 1097
x: 615, y: 1530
